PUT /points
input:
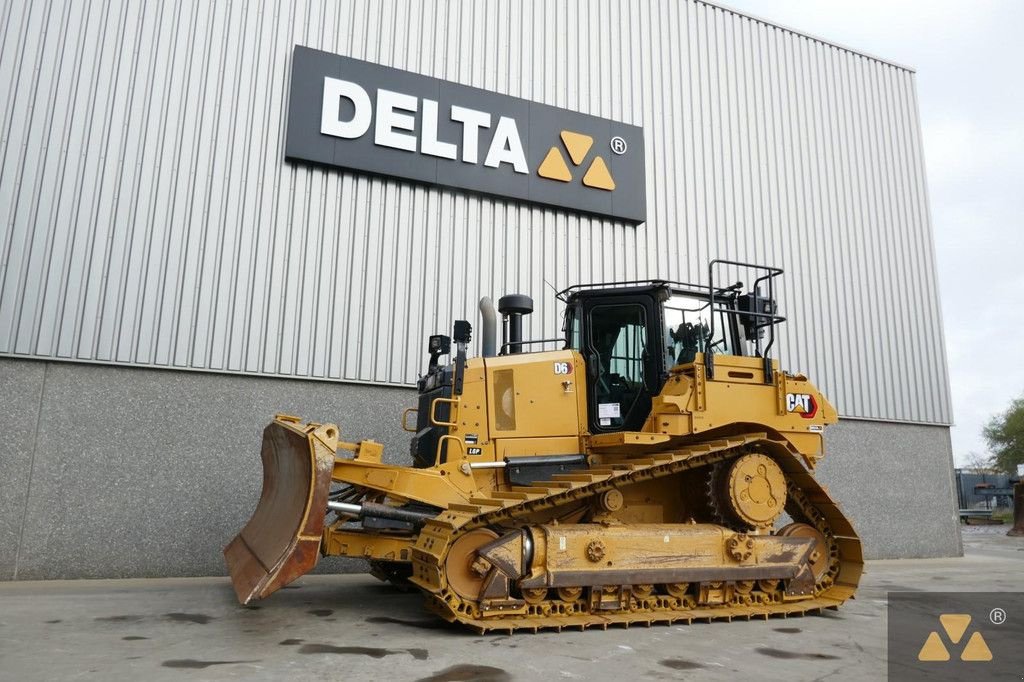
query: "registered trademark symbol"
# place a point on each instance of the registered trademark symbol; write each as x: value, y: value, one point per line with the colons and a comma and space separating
x: 997, y: 616
x: 618, y: 145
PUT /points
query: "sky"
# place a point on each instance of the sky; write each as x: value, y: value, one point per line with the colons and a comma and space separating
x: 969, y: 58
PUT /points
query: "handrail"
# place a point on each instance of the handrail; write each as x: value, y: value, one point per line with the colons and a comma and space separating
x: 454, y: 402
x: 440, y: 442
x: 519, y: 344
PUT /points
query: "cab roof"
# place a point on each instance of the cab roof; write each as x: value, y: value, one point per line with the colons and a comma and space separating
x: 578, y: 291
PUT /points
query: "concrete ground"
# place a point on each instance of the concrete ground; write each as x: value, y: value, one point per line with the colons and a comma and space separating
x: 352, y: 627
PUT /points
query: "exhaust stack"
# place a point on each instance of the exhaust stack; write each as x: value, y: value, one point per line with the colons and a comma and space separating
x: 513, y: 307
x: 489, y: 327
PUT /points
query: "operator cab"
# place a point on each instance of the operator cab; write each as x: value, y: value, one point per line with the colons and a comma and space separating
x: 632, y: 334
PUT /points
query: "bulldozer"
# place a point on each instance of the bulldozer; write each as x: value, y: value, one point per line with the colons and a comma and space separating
x: 658, y: 467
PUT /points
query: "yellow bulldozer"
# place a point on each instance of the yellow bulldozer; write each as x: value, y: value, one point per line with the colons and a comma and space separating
x: 657, y: 468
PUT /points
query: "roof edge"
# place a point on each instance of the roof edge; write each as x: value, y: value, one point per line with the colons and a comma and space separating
x: 789, y: 29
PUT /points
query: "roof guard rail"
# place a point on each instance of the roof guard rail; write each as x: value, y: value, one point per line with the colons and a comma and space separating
x: 771, y: 318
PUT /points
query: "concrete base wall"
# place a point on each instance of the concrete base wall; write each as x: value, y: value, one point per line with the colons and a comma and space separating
x: 126, y: 472
x: 895, y: 482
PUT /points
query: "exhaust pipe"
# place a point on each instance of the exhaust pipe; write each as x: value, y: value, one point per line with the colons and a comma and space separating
x: 489, y: 328
x: 513, y: 308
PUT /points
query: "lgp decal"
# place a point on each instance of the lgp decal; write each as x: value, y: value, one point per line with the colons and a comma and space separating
x: 803, y: 404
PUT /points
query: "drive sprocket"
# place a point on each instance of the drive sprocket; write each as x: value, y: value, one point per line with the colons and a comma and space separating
x: 748, y: 492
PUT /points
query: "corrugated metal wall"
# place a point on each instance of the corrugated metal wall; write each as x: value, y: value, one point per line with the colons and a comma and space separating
x: 148, y: 216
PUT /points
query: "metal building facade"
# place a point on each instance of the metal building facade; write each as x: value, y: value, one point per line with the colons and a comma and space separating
x: 149, y: 218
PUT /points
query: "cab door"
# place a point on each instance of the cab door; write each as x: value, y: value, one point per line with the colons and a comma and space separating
x: 621, y: 351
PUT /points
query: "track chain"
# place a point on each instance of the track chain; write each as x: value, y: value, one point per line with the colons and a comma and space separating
x: 805, y: 496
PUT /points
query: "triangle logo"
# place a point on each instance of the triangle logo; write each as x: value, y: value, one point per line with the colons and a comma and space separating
x: 955, y: 625
x: 598, y: 176
x: 933, y: 649
x: 553, y: 167
x: 976, y: 649
x: 577, y: 144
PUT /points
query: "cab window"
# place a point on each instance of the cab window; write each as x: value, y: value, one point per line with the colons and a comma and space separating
x: 688, y: 330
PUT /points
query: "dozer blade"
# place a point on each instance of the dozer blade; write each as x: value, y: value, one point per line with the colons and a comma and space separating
x: 282, y: 539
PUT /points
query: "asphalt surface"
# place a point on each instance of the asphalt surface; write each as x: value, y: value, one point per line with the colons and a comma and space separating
x: 352, y: 627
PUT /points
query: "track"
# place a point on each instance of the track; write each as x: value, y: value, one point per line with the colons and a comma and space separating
x: 807, y: 501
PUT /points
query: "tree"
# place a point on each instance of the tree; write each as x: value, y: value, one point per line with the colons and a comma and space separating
x: 1005, y: 436
x: 977, y: 463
